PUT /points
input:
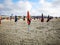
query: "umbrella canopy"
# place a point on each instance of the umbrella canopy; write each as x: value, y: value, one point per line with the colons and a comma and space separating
x: 42, y: 18
x: 48, y: 18
x: 15, y: 18
x: 0, y: 19
x: 28, y: 18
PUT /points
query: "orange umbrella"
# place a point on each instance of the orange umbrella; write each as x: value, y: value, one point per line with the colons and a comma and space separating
x: 28, y: 18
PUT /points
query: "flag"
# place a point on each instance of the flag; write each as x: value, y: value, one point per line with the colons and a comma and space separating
x: 28, y: 18
x: 15, y: 18
x: 42, y: 18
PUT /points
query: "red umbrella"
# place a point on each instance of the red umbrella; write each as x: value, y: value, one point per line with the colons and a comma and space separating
x: 28, y: 18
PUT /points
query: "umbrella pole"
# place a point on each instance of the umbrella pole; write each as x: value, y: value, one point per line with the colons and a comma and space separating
x: 10, y: 22
x: 28, y: 28
x: 0, y: 21
x: 15, y: 26
x: 42, y: 24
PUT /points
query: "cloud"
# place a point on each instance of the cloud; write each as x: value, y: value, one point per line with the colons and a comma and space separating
x: 18, y: 8
x: 25, y: 5
x: 35, y: 8
x: 56, y: 3
x: 48, y: 8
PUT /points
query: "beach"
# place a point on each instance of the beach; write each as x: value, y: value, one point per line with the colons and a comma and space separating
x: 39, y: 33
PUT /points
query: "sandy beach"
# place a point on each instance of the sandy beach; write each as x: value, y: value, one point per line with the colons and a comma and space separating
x: 46, y: 33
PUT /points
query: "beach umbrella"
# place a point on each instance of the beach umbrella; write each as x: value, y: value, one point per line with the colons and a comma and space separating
x: 11, y: 16
x: 0, y: 19
x: 23, y: 18
x: 34, y: 18
x: 16, y: 22
x: 42, y: 18
x: 56, y: 17
x: 28, y: 19
x: 15, y: 18
x: 48, y: 18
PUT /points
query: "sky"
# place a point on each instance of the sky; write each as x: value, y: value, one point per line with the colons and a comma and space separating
x: 35, y: 7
